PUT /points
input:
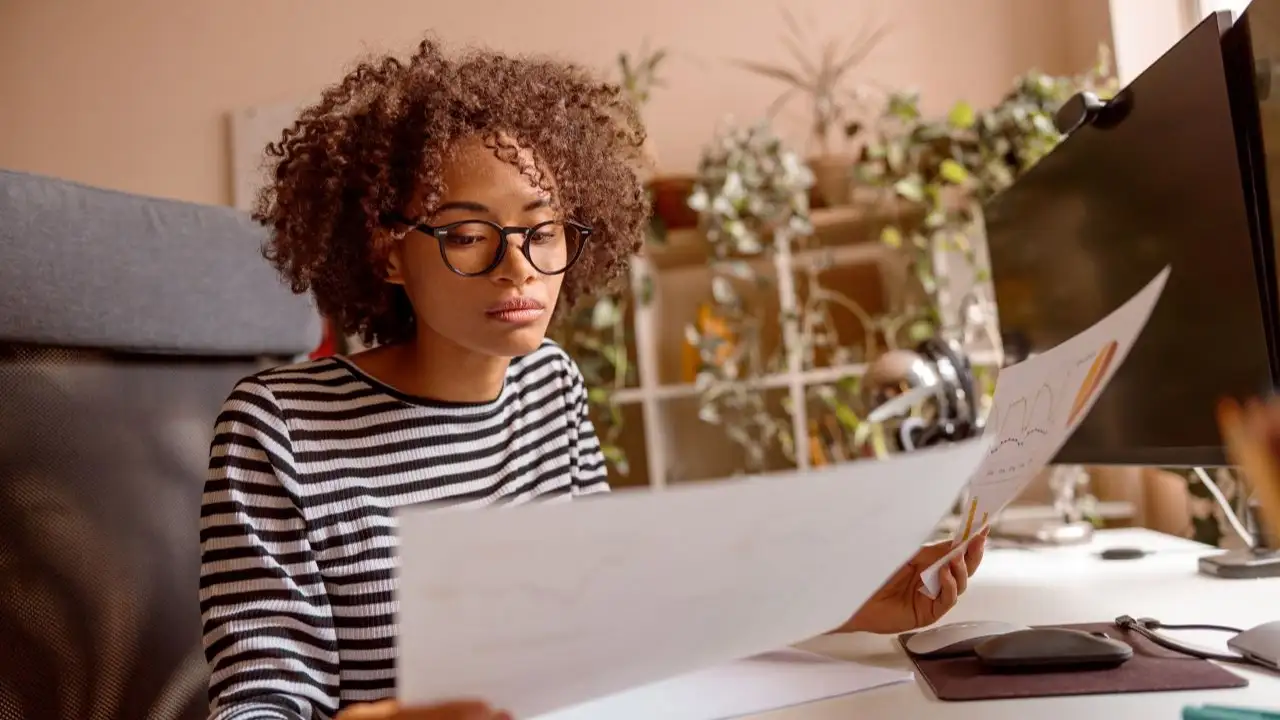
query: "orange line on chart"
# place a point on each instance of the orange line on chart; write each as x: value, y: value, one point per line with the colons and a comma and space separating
x: 1093, y: 379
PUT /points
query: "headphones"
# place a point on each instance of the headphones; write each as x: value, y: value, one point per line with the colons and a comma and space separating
x: 938, y: 376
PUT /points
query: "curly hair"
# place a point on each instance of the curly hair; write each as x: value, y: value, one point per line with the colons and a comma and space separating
x: 383, y: 134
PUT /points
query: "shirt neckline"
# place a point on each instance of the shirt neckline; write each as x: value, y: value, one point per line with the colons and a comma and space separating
x: 419, y: 400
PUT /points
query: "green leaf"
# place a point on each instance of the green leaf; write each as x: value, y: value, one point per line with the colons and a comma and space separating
x: 953, y: 172
x: 644, y: 291
x: 692, y: 336
x: 1044, y: 124
x: 962, y: 116
x: 920, y: 330
x: 891, y: 237
x: 604, y: 314
x: 895, y: 156
x: 739, y: 269
x: 617, y: 456
x: 847, y: 417
x: 722, y: 291
x: 903, y: 106
x: 612, y: 354
x: 776, y: 72
x: 910, y: 188
x: 709, y: 414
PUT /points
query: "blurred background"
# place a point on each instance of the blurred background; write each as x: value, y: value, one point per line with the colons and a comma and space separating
x: 902, y: 115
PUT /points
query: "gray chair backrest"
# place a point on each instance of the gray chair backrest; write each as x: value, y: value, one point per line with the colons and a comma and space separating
x: 124, y: 323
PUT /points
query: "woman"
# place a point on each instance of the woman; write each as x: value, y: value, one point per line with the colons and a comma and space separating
x: 442, y: 209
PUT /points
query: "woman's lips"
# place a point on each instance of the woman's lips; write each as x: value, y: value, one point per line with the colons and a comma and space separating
x: 517, y: 316
x: 517, y: 310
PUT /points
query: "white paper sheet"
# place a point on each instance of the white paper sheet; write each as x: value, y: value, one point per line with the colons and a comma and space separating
x: 1038, y: 403
x: 746, y: 687
x: 542, y: 607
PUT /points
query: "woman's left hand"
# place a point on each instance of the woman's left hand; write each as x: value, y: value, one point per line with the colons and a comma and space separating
x: 899, y: 606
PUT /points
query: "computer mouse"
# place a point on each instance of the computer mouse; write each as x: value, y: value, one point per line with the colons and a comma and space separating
x: 1123, y: 553
x: 1260, y: 645
x: 956, y: 638
x: 1050, y: 649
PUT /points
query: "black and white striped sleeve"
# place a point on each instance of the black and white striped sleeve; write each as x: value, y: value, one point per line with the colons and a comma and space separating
x: 586, y: 459
x: 268, y: 631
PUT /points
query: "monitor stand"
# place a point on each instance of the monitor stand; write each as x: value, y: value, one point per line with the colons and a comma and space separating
x: 1250, y: 563
x: 1242, y: 564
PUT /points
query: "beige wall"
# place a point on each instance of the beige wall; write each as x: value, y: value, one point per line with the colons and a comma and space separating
x: 133, y: 94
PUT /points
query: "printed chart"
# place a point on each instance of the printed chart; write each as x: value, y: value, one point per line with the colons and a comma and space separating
x: 1029, y: 428
x: 1038, y: 403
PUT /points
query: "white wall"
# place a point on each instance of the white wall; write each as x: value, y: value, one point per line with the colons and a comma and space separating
x: 1143, y: 30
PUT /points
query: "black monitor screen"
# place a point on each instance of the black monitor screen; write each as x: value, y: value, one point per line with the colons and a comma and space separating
x: 1101, y: 215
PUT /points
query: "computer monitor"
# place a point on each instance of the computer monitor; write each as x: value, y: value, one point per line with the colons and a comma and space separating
x: 1169, y: 175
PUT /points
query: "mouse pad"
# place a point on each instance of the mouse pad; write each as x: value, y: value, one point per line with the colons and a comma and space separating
x: 1152, y: 669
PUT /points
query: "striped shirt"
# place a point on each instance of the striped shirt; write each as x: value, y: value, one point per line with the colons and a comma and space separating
x: 308, y: 461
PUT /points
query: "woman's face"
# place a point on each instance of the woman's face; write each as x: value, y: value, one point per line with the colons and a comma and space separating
x: 505, y: 312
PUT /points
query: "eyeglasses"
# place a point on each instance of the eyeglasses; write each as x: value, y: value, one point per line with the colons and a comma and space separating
x: 475, y: 247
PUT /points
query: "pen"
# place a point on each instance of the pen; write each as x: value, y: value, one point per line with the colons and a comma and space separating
x: 1222, y: 712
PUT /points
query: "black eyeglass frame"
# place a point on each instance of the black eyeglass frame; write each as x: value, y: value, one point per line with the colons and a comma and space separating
x: 440, y: 231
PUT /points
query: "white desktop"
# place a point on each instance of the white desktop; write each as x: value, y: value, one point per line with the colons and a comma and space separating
x: 1072, y: 584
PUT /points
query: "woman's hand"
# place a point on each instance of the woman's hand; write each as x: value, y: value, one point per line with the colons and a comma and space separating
x: 899, y: 605
x: 391, y: 710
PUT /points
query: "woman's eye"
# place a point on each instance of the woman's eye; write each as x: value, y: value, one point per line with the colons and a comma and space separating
x: 464, y: 239
x: 543, y: 236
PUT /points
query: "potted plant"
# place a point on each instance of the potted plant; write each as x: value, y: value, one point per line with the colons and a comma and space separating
x: 823, y: 81
x: 669, y: 194
x: 639, y: 76
x: 939, y: 171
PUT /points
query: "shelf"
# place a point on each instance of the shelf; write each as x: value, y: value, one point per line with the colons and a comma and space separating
x: 815, y: 376
x: 630, y: 438
x: 699, y: 451
x: 833, y: 227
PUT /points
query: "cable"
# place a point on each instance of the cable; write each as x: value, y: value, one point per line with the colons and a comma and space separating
x: 1149, y: 627
x: 1230, y: 514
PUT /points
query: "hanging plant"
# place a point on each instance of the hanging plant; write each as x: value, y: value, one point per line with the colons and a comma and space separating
x: 941, y: 170
x: 751, y: 197
x: 596, y: 334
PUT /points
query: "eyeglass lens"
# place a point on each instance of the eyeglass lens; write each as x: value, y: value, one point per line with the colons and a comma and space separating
x: 472, y: 247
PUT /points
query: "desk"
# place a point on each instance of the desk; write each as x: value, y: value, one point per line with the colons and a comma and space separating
x: 1072, y: 585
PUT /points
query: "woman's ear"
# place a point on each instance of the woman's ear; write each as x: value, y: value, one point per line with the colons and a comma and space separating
x: 393, y: 252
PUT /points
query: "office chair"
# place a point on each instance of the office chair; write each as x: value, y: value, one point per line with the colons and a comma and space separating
x: 124, y: 323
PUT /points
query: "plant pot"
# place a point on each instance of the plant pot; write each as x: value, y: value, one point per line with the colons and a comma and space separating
x: 832, y: 180
x: 671, y: 201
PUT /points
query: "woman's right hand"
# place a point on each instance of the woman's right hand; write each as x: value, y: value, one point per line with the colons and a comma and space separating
x: 391, y: 710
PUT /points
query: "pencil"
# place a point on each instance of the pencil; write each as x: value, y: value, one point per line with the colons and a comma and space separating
x: 1249, y: 445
